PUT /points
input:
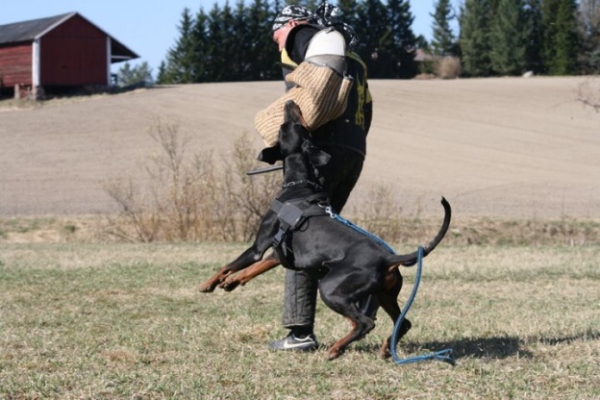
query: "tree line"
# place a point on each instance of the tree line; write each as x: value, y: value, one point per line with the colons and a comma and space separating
x: 495, y: 37
x: 509, y: 37
x: 235, y: 43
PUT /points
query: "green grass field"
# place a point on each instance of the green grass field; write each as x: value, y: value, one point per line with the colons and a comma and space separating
x: 119, y: 321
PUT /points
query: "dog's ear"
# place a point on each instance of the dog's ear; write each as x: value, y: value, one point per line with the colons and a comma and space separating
x: 317, y: 157
x: 270, y: 154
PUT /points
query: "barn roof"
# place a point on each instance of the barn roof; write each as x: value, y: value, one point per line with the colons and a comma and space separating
x: 27, y: 31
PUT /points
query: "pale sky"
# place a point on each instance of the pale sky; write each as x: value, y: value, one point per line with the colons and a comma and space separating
x: 149, y: 28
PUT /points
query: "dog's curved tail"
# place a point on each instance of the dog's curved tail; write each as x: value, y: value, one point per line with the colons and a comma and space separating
x: 411, y: 259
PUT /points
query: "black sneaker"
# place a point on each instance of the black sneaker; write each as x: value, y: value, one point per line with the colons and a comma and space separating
x: 291, y: 342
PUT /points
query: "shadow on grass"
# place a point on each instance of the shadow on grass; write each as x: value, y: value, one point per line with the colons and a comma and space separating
x: 495, y: 347
x: 498, y: 347
x: 554, y: 341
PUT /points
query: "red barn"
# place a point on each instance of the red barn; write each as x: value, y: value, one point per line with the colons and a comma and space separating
x: 63, y: 51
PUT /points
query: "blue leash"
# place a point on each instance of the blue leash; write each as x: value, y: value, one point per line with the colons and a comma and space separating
x: 442, y: 355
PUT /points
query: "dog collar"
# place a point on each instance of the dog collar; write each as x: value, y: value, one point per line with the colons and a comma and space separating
x: 302, y: 182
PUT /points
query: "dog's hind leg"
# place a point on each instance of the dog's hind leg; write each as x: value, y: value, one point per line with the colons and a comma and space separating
x: 388, y: 300
x: 361, y: 324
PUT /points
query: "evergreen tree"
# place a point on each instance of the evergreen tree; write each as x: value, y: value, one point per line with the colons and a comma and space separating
x: 403, y: 40
x: 277, y: 5
x: 216, y: 46
x: 422, y: 43
x: 475, y: 38
x: 373, y: 30
x: 233, y: 41
x: 549, y: 29
x: 161, y: 77
x: 349, y: 10
x: 560, y: 39
x: 533, y: 25
x: 567, y: 45
x: 589, y: 31
x: 509, y: 38
x: 129, y: 76
x: 229, y: 45
x: 200, y: 35
x: 263, y: 58
x: 181, y: 65
x: 243, y: 34
x: 494, y: 4
x: 443, y: 42
x: 124, y: 75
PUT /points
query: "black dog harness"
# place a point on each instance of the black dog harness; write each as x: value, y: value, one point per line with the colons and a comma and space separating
x: 292, y: 215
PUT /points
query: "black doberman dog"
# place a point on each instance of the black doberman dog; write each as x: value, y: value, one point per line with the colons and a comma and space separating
x: 350, y: 264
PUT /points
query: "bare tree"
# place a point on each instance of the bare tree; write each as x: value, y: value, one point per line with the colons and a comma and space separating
x: 589, y: 93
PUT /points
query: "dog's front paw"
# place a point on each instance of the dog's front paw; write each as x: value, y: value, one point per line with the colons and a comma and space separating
x: 206, y: 287
x: 230, y: 284
x: 211, y: 284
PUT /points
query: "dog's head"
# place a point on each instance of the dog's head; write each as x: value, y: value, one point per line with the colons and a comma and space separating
x: 294, y: 138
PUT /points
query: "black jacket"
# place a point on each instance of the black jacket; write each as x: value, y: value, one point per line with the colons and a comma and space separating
x: 350, y: 130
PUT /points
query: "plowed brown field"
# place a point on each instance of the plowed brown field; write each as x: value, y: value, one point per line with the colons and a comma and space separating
x: 501, y: 147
